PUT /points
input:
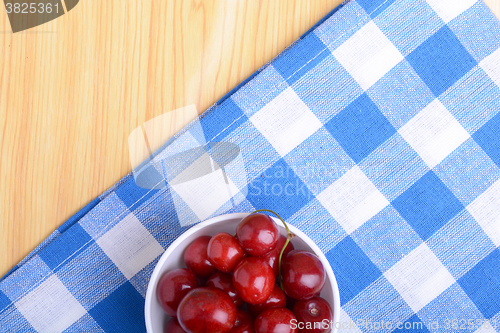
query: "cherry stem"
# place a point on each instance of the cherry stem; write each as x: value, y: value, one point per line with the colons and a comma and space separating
x: 288, y: 236
x: 279, y: 261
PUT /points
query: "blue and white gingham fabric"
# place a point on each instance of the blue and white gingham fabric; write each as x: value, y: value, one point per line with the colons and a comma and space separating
x: 377, y: 134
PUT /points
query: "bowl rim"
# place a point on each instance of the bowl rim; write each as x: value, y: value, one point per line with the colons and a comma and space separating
x: 220, y: 218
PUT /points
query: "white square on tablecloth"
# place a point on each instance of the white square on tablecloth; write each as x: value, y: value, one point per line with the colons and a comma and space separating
x: 449, y: 9
x: 368, y: 55
x: 205, y: 194
x: 347, y: 324
x: 434, y: 133
x: 130, y: 246
x: 419, y: 277
x: 286, y: 122
x: 352, y: 199
x: 50, y: 307
x: 486, y: 211
x: 491, y: 65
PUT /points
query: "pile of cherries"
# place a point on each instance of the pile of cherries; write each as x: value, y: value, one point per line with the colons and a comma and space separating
x: 253, y: 282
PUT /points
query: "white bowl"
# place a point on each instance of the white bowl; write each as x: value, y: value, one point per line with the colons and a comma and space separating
x: 173, y: 258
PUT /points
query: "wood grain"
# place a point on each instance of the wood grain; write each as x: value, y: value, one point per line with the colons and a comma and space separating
x: 73, y: 89
x: 494, y: 5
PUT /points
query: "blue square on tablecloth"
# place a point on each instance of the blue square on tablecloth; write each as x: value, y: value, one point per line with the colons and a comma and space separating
x: 488, y: 138
x: 386, y: 238
x: 482, y: 284
x: 353, y: 270
x: 334, y: 89
x: 478, y: 36
x: 81, y: 272
x: 468, y: 171
x: 412, y: 325
x: 376, y: 303
x: 398, y: 24
x: 72, y: 241
x: 375, y: 7
x: 427, y: 205
x: 393, y: 167
x: 301, y: 57
x: 460, y: 244
x: 360, y: 128
x: 394, y: 94
x: 217, y: 125
x: 4, y: 301
x: 319, y: 161
x: 452, y: 304
x: 441, y: 60
x: 472, y: 110
x: 13, y: 317
x: 133, y: 195
x: 85, y: 324
x: 278, y: 188
x: 122, y: 311
x: 325, y: 231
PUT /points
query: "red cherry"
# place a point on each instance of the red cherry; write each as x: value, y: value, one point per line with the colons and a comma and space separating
x: 275, y: 320
x: 224, y: 281
x: 172, y: 287
x: 201, y: 280
x: 272, y: 257
x: 206, y: 310
x: 276, y: 300
x: 173, y: 326
x: 244, y: 323
x: 303, y: 274
x: 224, y: 252
x: 253, y: 280
x: 196, y: 257
x: 315, y: 314
x: 258, y: 234
x: 290, y: 302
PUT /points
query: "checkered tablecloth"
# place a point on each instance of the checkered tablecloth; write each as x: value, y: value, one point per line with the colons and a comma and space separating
x: 377, y: 134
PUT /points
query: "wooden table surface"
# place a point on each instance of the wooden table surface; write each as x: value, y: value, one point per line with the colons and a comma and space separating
x: 73, y: 89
